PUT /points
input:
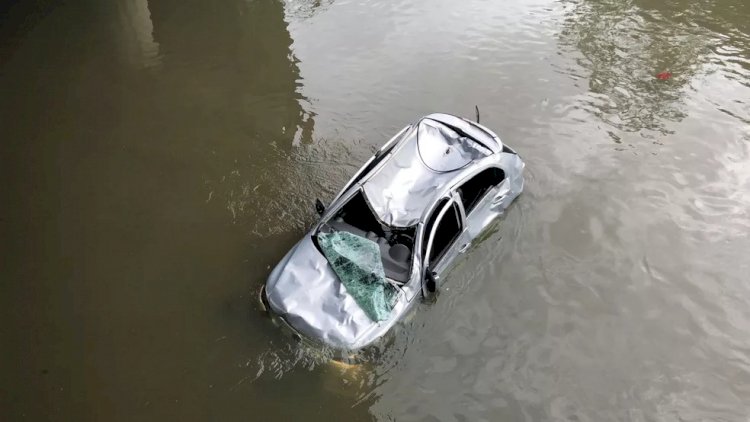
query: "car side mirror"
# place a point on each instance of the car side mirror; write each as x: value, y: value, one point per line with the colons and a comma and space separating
x: 319, y: 207
x: 432, y: 279
x: 429, y: 286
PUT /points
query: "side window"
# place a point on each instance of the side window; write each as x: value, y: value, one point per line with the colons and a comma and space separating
x: 475, y: 188
x: 446, y: 231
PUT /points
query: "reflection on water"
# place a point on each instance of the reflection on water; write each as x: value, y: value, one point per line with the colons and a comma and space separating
x: 138, y: 31
x: 622, y: 47
x: 161, y: 156
x: 244, y: 79
x: 301, y: 9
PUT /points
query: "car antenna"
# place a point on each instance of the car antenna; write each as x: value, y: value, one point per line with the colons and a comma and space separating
x: 476, y: 109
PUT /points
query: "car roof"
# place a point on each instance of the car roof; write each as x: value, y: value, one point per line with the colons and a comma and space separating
x: 429, y: 155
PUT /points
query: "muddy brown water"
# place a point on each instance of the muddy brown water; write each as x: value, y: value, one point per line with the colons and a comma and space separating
x: 160, y: 156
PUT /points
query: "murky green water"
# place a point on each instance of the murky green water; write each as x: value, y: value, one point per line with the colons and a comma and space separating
x: 159, y: 157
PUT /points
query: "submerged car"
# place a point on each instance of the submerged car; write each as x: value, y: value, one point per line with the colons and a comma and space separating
x: 399, y: 223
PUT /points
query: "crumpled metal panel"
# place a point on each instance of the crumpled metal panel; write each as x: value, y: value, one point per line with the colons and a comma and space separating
x: 305, y: 291
x: 442, y: 149
x: 513, y: 166
x: 413, y: 177
x: 487, y: 137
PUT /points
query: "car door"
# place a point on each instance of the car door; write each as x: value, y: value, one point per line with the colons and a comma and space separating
x: 483, y: 196
x: 445, y: 237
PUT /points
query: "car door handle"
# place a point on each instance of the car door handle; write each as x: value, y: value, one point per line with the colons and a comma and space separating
x: 464, y: 247
x: 499, y: 199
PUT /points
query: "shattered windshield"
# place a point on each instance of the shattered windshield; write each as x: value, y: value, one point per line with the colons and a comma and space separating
x: 356, y: 262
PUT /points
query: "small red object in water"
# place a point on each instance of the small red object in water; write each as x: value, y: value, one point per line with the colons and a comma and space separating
x: 664, y: 76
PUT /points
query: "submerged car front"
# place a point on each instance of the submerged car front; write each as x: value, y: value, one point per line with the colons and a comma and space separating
x: 306, y: 292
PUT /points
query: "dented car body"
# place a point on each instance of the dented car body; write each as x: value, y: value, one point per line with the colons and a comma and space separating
x: 422, y: 198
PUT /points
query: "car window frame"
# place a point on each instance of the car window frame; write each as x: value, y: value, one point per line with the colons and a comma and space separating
x: 481, y: 198
x: 460, y: 216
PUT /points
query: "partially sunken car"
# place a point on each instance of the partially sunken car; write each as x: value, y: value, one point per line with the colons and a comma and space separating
x: 399, y: 223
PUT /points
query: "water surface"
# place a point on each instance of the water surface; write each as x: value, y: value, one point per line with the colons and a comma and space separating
x: 159, y: 157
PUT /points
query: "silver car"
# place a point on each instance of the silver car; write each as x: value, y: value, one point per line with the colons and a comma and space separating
x: 422, y: 198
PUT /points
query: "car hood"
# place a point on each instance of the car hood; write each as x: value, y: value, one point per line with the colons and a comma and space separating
x: 304, y: 290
